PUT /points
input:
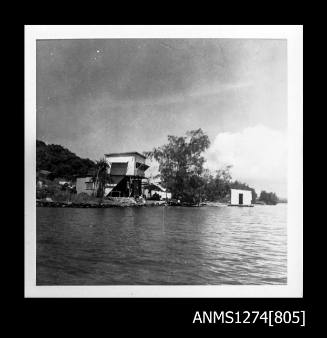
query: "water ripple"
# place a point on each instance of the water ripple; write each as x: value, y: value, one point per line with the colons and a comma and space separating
x: 162, y: 245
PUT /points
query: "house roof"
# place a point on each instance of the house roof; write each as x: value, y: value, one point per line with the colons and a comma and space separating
x: 125, y: 154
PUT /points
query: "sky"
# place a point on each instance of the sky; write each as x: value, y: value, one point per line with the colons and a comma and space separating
x: 99, y: 96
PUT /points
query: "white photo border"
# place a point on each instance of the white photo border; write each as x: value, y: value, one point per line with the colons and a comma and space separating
x: 294, y: 37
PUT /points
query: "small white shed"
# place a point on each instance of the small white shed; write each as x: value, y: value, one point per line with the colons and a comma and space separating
x: 241, y: 198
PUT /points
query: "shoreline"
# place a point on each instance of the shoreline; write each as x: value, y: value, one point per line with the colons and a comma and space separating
x: 114, y: 204
x: 125, y: 204
x: 55, y: 204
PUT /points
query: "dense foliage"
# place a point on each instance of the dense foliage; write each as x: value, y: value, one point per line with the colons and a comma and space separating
x: 268, y: 198
x: 217, y: 184
x: 61, y: 162
x: 183, y: 174
x: 181, y: 164
x: 217, y: 187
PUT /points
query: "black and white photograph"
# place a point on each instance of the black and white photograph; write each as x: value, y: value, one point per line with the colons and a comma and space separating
x: 162, y: 162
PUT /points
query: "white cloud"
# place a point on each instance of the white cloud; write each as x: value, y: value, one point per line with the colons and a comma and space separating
x: 258, y: 155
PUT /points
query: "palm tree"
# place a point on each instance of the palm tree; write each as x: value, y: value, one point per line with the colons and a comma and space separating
x: 101, y: 177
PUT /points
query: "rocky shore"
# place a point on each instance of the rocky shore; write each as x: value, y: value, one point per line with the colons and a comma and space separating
x: 110, y: 203
x: 118, y: 202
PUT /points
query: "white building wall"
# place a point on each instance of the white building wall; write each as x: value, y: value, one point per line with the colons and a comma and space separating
x: 129, y: 159
x: 247, y: 196
x: 163, y: 194
x: 81, y: 185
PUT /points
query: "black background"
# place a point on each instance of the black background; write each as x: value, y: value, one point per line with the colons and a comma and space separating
x: 89, y: 316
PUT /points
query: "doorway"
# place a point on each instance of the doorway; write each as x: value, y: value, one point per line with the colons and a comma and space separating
x: 240, y: 199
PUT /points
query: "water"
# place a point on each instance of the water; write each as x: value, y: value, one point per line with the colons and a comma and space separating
x: 162, y: 245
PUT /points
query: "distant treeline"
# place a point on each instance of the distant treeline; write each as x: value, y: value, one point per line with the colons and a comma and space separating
x: 268, y: 198
x: 61, y: 162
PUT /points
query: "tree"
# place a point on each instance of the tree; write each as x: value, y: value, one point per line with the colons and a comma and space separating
x: 268, y: 197
x: 101, y: 177
x: 222, y: 181
x: 219, y: 183
x: 181, y: 164
x: 182, y: 172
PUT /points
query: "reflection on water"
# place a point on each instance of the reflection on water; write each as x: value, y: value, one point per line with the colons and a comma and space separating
x: 162, y: 245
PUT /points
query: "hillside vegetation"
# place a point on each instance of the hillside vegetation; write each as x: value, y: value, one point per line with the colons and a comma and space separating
x: 60, y: 161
